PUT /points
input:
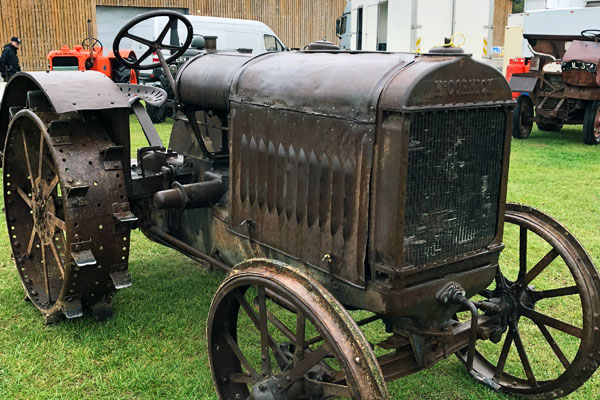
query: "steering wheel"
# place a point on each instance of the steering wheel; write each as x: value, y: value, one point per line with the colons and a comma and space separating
x: 95, y: 43
x: 591, y: 34
x: 156, y: 45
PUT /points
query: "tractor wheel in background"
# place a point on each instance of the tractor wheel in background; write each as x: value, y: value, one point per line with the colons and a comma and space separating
x: 157, y: 114
x: 549, y: 124
x: 523, y: 117
x: 591, y: 123
x: 62, y: 203
x: 274, y: 332
x: 552, y: 345
x: 122, y: 74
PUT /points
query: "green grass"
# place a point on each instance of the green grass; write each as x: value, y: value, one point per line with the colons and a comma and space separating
x: 155, y: 347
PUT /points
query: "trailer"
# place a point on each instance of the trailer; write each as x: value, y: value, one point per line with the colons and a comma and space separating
x: 417, y: 25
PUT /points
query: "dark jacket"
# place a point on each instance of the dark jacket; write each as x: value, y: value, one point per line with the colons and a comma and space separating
x: 9, y: 61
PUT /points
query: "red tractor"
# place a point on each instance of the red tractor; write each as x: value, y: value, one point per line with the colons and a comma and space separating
x: 89, y: 56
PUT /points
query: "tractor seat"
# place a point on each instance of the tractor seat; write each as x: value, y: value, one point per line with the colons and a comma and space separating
x: 580, y: 64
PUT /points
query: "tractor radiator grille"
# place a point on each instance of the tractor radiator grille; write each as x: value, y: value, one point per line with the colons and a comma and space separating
x: 453, y: 183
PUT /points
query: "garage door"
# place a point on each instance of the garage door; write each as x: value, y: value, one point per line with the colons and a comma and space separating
x: 111, y: 19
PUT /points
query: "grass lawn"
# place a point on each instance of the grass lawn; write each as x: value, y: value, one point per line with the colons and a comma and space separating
x: 154, y: 347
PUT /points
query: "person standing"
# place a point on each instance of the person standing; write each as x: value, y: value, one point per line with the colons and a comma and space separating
x: 9, y: 60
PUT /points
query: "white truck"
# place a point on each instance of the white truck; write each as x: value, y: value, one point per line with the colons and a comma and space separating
x: 417, y: 25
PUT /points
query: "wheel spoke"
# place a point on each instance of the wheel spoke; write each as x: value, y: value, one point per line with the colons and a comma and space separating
x: 163, y: 33
x: 523, y: 357
x: 41, y: 160
x: 277, y: 323
x: 145, y: 55
x: 539, y: 267
x: 300, y: 337
x: 24, y: 196
x: 551, y: 322
x: 56, y: 221
x: 27, y: 161
x: 240, y: 356
x: 504, y: 354
x: 252, y: 315
x: 58, y: 260
x: 50, y: 187
x: 332, y: 389
x: 45, y: 268
x: 310, y: 360
x: 546, y: 294
x: 561, y: 356
x: 31, y: 240
x: 522, y: 252
x: 139, y: 39
x: 242, y: 378
x: 264, y: 332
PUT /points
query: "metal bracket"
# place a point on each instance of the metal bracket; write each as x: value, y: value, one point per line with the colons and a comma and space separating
x: 82, y: 254
x: 250, y: 224
x: 72, y: 309
x: 121, y: 279
x: 122, y: 212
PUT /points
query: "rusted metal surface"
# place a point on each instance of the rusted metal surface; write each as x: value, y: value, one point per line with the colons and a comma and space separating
x: 72, y: 249
x: 317, y: 85
x: 65, y: 90
x: 357, y: 374
x: 305, y: 194
x: 206, y: 80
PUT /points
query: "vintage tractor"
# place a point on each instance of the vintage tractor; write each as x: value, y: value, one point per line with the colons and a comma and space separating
x: 89, y: 56
x: 561, y: 87
x: 330, y: 206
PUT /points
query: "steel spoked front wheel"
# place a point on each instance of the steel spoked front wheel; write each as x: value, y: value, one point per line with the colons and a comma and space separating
x: 552, y: 292
x: 302, y: 345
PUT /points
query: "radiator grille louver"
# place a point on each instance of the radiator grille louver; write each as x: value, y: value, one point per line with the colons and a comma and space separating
x: 453, y: 182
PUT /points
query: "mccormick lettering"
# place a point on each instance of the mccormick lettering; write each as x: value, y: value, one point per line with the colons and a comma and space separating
x: 460, y: 87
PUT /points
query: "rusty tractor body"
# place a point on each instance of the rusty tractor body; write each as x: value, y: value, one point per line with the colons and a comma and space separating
x: 561, y: 87
x: 315, y: 197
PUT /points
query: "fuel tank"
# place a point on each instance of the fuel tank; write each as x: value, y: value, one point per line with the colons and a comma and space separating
x: 361, y: 164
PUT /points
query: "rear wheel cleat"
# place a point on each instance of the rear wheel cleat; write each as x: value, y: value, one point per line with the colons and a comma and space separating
x: 102, y: 311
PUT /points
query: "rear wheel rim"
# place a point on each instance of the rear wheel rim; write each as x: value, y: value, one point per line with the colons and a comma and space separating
x: 69, y: 248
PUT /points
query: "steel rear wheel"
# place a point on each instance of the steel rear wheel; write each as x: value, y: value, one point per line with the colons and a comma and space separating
x: 523, y: 117
x: 61, y: 204
x: 552, y: 344
x: 591, y: 123
x: 302, y: 346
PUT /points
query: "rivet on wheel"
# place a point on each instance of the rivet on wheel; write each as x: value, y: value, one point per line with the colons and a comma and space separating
x: 288, y: 378
x: 237, y: 396
x: 357, y: 360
